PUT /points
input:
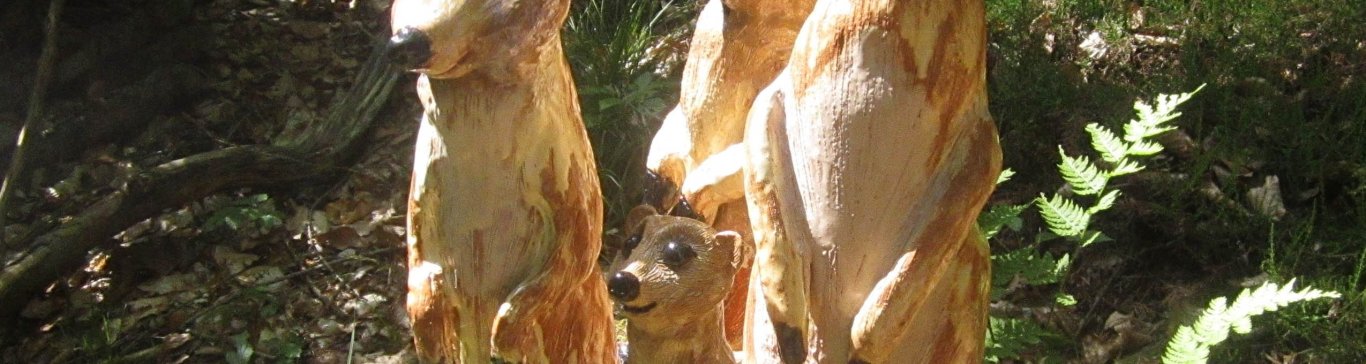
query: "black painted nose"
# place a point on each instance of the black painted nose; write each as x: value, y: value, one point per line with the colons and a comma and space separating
x: 623, y: 286
x: 409, y: 47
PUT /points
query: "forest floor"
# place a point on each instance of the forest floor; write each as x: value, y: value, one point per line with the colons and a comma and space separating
x: 247, y: 276
x: 317, y: 273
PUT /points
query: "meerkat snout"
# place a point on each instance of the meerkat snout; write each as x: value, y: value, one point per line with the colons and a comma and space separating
x: 623, y: 286
x: 409, y: 48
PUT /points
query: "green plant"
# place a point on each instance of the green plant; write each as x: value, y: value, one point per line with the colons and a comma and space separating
x: 1287, y: 104
x: 242, y: 350
x: 1067, y: 217
x: 625, y: 56
x: 1009, y: 337
x: 1191, y: 343
x: 1329, y: 257
x: 256, y: 212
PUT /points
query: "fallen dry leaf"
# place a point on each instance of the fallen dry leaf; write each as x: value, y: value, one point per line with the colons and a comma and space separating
x: 232, y: 260
x: 171, y: 283
x: 1266, y: 199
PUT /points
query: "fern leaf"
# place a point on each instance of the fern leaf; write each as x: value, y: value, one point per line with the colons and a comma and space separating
x: 1112, y: 150
x: 1060, y: 267
x: 1144, y: 111
x: 1191, y: 343
x: 1185, y: 348
x: 1027, y: 266
x: 1152, y: 117
x: 1124, y: 167
x: 1166, y: 103
x: 1082, y: 175
x: 1091, y: 237
x: 1149, y: 119
x: 1104, y: 203
x: 1139, y: 130
x: 1010, y: 338
x: 1065, y: 300
x: 1144, y: 148
x: 1214, y: 329
x: 998, y: 216
x: 1062, y: 215
x: 1005, y: 176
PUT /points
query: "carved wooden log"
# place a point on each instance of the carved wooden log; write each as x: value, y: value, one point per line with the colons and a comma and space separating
x: 505, y: 212
x: 870, y: 158
x: 738, y: 47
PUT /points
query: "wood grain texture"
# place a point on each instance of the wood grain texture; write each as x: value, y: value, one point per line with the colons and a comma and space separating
x: 684, y: 322
x: 738, y: 46
x: 505, y: 211
x: 870, y: 158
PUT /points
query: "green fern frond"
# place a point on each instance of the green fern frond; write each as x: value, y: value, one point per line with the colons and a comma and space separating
x: 1062, y: 215
x: 1005, y: 176
x: 1191, y: 343
x: 1091, y: 237
x: 998, y: 216
x: 1104, y: 203
x: 1144, y: 148
x: 1026, y: 265
x: 1065, y: 300
x: 1147, y: 127
x: 1124, y: 167
x: 1148, y: 123
x: 1152, y: 117
x: 1166, y: 103
x: 1083, y: 176
x: 1112, y: 150
x: 1008, y: 338
x: 1060, y: 267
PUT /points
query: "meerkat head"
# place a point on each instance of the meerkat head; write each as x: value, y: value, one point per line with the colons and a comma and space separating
x: 672, y: 268
x: 449, y: 38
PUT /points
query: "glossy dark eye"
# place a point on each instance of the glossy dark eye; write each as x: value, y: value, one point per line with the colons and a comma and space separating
x: 677, y: 254
x: 630, y: 245
x: 632, y: 242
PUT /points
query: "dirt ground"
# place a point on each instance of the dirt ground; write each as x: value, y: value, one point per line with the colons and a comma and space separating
x: 304, y: 272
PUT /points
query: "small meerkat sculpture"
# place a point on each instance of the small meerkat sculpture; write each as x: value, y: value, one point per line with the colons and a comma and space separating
x: 671, y: 278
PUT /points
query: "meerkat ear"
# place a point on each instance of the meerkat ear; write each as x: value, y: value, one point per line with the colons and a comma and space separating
x: 741, y: 254
x: 636, y: 217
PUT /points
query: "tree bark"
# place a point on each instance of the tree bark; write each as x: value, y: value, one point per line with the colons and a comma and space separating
x: 314, y: 153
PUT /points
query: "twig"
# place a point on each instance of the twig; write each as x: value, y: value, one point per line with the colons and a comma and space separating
x: 35, y: 107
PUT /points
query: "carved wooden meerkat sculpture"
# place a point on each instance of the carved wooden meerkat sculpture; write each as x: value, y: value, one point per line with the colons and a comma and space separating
x: 738, y: 46
x: 672, y: 283
x: 505, y: 212
x: 869, y: 160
